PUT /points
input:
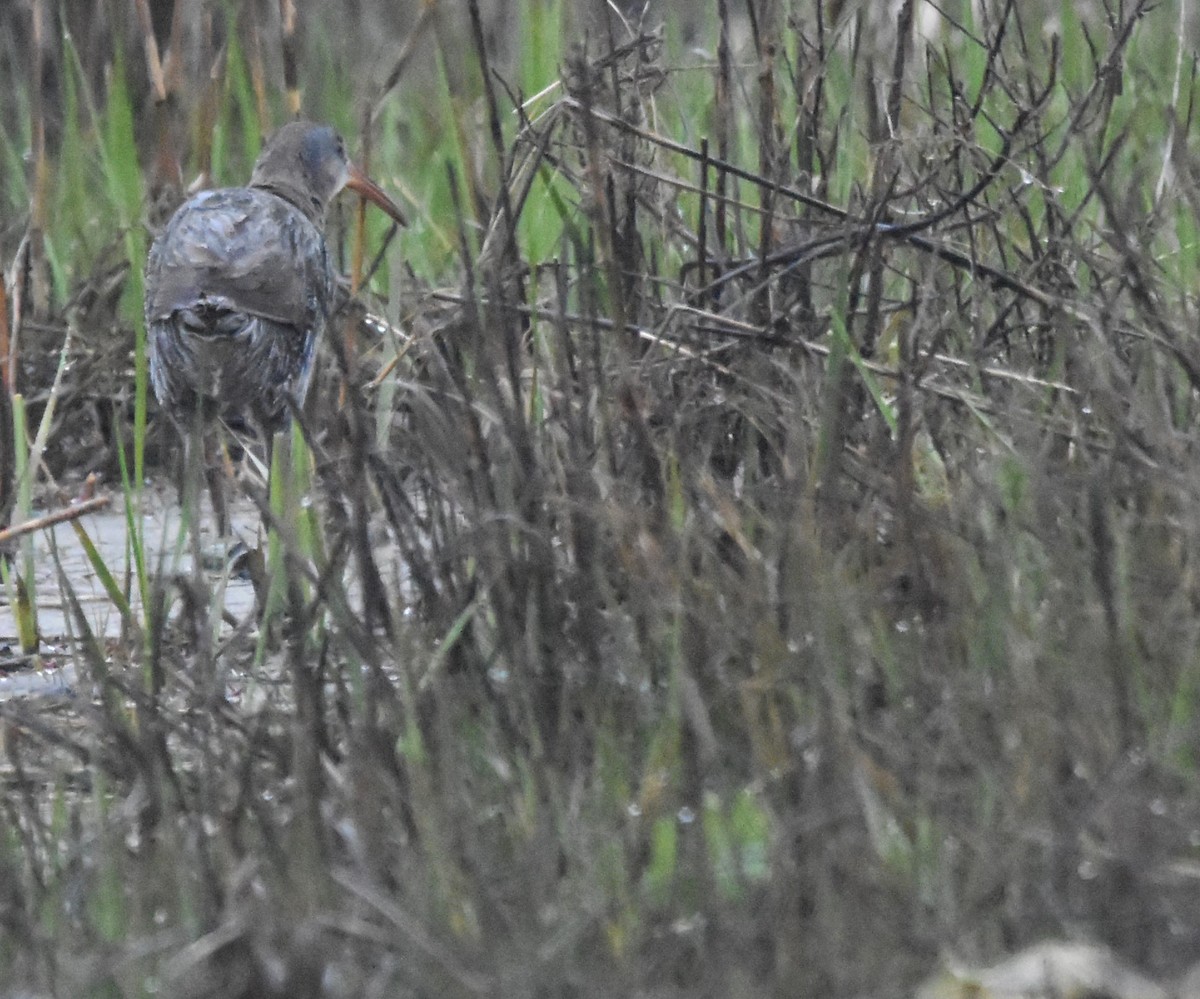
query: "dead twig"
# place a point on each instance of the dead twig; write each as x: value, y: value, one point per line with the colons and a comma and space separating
x: 58, y: 517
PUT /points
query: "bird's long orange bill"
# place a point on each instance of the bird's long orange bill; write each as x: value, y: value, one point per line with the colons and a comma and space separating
x: 360, y: 183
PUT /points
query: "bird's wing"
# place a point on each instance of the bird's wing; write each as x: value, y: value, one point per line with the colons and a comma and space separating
x: 245, y: 250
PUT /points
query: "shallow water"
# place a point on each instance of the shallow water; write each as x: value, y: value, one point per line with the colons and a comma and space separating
x: 108, y: 531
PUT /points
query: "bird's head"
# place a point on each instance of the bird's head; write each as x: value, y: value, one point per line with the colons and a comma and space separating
x: 307, y: 165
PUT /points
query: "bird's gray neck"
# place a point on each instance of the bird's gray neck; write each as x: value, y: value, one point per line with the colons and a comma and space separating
x: 311, y: 208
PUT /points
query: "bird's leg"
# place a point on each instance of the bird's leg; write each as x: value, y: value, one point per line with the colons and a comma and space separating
x: 217, y: 470
x: 203, y: 459
x: 266, y: 597
x: 191, y: 462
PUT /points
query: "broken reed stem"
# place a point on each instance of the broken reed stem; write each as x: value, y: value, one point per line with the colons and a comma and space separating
x: 38, y: 298
x: 210, y: 102
x: 291, y: 83
x: 6, y: 360
x: 168, y: 168
x: 258, y: 76
x: 357, y: 255
x: 497, y: 134
x: 154, y: 69
x: 768, y: 162
x: 702, y: 217
x: 723, y: 116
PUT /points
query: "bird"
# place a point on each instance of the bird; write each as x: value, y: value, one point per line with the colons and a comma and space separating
x: 240, y: 285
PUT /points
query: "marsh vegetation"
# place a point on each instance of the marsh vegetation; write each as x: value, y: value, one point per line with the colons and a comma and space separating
x: 749, y: 541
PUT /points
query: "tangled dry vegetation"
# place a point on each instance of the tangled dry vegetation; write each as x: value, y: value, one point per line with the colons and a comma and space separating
x: 756, y: 551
